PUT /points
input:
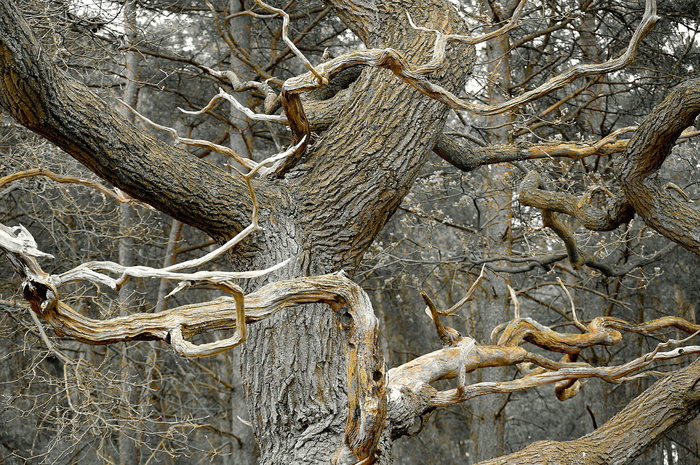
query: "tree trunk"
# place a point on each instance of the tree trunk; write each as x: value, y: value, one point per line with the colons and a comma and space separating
x: 128, y: 449
x: 345, y: 189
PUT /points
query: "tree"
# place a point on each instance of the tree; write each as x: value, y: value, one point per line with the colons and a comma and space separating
x: 314, y: 376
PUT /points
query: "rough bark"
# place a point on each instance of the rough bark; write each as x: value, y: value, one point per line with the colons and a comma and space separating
x: 671, y: 401
x: 40, y: 97
x: 637, y: 170
x: 347, y: 186
x: 324, y: 214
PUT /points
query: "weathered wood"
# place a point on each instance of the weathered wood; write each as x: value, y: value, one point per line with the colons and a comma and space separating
x: 668, y: 403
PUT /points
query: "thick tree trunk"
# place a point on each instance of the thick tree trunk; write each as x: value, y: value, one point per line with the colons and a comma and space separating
x: 323, y: 215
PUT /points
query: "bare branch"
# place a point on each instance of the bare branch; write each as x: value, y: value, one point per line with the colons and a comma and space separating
x: 416, y: 76
x: 247, y: 111
x: 194, y: 142
x: 615, y: 212
x: 112, y: 193
x: 578, y: 324
x: 323, y: 80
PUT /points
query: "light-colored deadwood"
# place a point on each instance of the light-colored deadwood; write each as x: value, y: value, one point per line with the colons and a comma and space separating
x: 365, y: 365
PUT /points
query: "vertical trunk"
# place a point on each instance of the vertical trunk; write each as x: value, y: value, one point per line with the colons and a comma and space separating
x: 345, y: 189
x: 239, y: 27
x: 594, y: 116
x: 243, y: 449
x: 487, y: 429
x: 128, y: 449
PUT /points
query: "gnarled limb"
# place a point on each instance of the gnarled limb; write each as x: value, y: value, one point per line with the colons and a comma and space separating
x: 647, y: 151
x: 417, y: 76
x: 615, y: 212
x: 671, y: 401
x: 580, y: 258
x: 409, y: 386
x: 365, y: 365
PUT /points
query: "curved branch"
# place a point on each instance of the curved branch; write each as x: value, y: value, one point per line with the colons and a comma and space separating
x: 61, y: 179
x: 671, y: 401
x: 616, y: 211
x: 365, y: 366
x: 38, y: 96
x: 637, y: 170
x: 417, y: 76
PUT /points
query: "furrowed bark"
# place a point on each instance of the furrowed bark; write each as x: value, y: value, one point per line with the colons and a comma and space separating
x: 35, y: 92
x: 647, y: 151
x: 668, y: 403
x: 346, y: 187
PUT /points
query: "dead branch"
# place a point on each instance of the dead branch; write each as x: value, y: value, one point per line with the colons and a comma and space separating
x: 416, y: 76
x: 366, y: 379
x: 409, y: 385
x: 194, y: 142
x: 115, y: 194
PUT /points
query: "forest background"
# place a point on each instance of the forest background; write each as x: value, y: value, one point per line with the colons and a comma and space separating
x: 63, y: 401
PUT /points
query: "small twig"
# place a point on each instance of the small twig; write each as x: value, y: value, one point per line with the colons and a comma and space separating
x: 285, y: 36
x: 448, y: 336
x: 674, y: 187
x: 469, y: 296
x: 516, y: 303
x: 578, y: 324
x: 194, y: 142
x: 49, y: 345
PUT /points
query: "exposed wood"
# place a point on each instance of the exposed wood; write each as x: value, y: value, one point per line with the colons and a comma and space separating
x: 671, y: 401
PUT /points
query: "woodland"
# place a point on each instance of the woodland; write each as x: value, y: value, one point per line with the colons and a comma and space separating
x: 349, y: 232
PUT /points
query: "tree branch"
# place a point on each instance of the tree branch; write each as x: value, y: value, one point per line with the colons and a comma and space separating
x: 615, y: 212
x: 637, y: 170
x: 416, y: 76
x: 41, y: 98
x: 671, y: 401
x: 365, y: 365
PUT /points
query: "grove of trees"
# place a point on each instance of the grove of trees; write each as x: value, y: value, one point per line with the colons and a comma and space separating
x: 349, y: 231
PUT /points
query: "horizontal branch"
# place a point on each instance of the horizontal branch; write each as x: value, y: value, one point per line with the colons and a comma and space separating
x: 409, y: 385
x: 671, y: 401
x: 61, y: 179
x: 614, y: 212
x: 467, y: 157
